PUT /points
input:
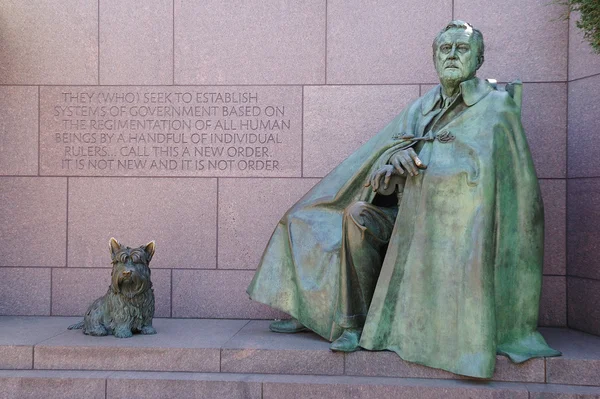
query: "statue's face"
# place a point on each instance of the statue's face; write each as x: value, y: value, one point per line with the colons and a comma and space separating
x: 456, y: 56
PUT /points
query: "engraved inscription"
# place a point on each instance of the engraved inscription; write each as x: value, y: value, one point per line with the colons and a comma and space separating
x: 164, y: 131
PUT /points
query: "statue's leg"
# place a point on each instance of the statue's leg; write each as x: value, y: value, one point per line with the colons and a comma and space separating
x: 366, y: 232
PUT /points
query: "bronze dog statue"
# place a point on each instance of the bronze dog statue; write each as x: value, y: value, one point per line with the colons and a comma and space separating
x: 128, y: 306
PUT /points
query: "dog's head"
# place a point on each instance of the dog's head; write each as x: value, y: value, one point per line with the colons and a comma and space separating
x: 130, y: 271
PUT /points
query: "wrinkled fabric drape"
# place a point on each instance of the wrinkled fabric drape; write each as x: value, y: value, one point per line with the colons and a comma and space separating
x: 461, y: 277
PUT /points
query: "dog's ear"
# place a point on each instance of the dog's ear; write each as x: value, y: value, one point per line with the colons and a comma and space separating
x: 114, y: 246
x: 149, y: 249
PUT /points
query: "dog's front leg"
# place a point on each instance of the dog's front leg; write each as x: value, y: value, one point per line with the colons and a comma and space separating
x: 122, y: 331
x: 148, y: 330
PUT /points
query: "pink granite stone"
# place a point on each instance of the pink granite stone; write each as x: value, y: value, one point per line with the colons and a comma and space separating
x: 184, y: 386
x: 583, y: 240
x: 584, y: 108
x: 524, y: 39
x: 256, y: 349
x: 342, y: 387
x: 580, y: 360
x: 49, y: 43
x: 18, y: 335
x: 255, y: 42
x: 583, y: 61
x: 584, y: 312
x: 249, y: 210
x: 383, y: 43
x: 74, y: 290
x: 183, y: 345
x: 53, y: 384
x: 178, y: 214
x: 18, y: 130
x: 553, y: 303
x: 545, y: 123
x: 136, y: 42
x: 339, y: 119
x: 224, y: 131
x: 555, y: 209
x: 216, y: 294
x: 33, y: 221
x: 24, y: 291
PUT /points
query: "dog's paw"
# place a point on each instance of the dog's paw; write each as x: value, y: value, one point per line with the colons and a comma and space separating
x: 99, y: 331
x: 148, y: 330
x: 122, y: 333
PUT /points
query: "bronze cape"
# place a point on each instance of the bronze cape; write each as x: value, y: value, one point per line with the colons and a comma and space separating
x: 461, y: 277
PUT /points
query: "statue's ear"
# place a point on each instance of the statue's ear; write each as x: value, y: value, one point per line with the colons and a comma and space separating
x: 480, y: 60
x: 114, y: 246
x: 149, y: 248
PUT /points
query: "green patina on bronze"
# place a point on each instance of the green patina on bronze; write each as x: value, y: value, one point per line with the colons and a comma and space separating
x: 447, y: 275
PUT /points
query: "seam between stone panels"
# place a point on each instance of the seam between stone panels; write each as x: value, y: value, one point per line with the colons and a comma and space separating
x: 171, y: 293
x: 32, y: 357
x: 566, y: 189
x: 173, y: 52
x: 39, y: 133
x: 67, y: 228
x: 583, y: 278
x: 584, y: 77
x: 106, y: 387
x: 302, y: 136
x: 452, y: 10
x: 217, y: 228
x: 51, y: 289
x: 326, y: 34
x: 98, y: 42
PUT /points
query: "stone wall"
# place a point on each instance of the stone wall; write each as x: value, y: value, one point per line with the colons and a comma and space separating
x: 583, y: 199
x: 79, y: 161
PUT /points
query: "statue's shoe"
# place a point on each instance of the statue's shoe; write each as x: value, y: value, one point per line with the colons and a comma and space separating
x: 287, y: 326
x: 347, y: 342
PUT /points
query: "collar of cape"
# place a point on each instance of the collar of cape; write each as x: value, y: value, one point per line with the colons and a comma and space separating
x: 471, y: 92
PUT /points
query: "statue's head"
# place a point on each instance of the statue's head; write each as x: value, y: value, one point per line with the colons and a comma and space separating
x: 457, y: 52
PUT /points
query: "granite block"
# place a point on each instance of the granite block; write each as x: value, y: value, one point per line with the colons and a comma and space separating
x: 583, y: 146
x: 583, y: 240
x: 183, y: 386
x: 218, y: 294
x: 242, y: 235
x: 179, y: 214
x: 339, y: 119
x: 554, y: 195
x: 255, y: 42
x: 523, y: 39
x: 18, y: 130
x: 52, y: 384
x: 18, y: 335
x: 389, y: 364
x: 383, y: 43
x: 583, y: 61
x: 256, y: 349
x: 583, y: 303
x: 33, y: 221
x: 171, y: 131
x: 25, y: 291
x: 341, y: 387
x: 555, y: 391
x: 580, y: 360
x: 187, y: 345
x: 553, y: 303
x: 545, y: 123
x: 49, y: 43
x: 74, y: 290
x: 136, y: 42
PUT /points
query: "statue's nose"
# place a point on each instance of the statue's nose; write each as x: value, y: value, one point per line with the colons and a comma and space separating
x: 127, y: 273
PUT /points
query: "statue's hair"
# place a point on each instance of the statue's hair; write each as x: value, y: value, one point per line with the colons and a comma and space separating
x: 458, y: 24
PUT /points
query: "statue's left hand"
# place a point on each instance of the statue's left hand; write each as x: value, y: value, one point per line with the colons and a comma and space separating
x: 386, y: 172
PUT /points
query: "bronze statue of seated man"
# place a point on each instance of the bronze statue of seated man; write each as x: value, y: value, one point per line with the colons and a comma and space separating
x: 443, y: 267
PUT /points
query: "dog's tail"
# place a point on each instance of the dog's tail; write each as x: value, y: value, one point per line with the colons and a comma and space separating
x: 76, y: 326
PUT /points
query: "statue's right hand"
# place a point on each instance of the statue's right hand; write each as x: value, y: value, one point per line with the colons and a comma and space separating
x: 407, y: 161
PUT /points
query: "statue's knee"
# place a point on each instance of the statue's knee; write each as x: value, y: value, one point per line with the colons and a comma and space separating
x: 356, y: 212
